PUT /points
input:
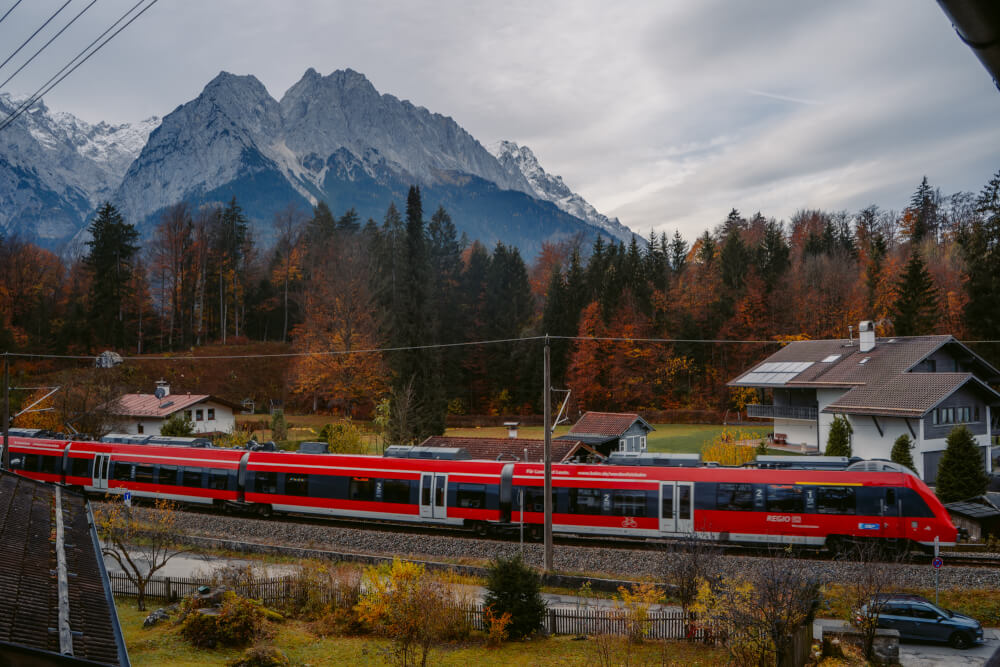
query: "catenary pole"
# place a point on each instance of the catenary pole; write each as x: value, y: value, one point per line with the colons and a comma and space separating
x: 547, y: 403
x: 6, y: 410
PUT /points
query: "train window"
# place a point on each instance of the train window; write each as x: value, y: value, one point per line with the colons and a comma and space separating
x: 361, y: 488
x: 30, y: 462
x: 51, y: 465
x: 265, y: 482
x: 585, y: 501
x: 122, y: 471
x: 784, y: 498
x: 192, y: 477
x: 144, y: 474
x: 219, y: 479
x: 913, y: 504
x: 629, y: 503
x: 835, y: 500
x: 734, y: 497
x: 296, y: 485
x: 80, y: 467
x: 471, y: 495
x: 396, y: 491
x: 168, y: 475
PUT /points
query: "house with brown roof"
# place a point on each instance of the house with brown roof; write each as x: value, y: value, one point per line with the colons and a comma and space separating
x: 515, y: 449
x: 145, y: 413
x: 921, y: 386
x: 57, y: 603
x: 611, y: 432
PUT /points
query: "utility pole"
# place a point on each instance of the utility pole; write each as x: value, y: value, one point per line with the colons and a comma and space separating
x: 6, y: 410
x: 547, y: 410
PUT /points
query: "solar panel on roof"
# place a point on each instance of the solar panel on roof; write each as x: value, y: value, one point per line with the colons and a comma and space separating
x: 832, y: 357
x: 782, y: 378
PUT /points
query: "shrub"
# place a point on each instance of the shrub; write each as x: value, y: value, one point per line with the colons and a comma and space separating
x: 839, y: 442
x: 238, y: 622
x: 343, y: 438
x: 512, y: 586
x: 961, y: 474
x: 279, y: 427
x: 496, y: 627
x: 633, y: 608
x: 177, y: 425
x: 901, y: 452
x: 261, y: 656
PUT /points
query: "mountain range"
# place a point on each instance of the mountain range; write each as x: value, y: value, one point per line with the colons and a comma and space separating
x: 333, y: 138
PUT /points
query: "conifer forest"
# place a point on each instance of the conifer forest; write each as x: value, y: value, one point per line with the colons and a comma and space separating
x: 629, y: 322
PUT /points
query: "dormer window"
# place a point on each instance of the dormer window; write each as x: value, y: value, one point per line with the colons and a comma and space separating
x: 864, y: 361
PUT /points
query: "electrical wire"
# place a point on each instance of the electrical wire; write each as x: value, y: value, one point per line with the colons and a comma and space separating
x: 46, y: 44
x: 49, y: 85
x: 37, y: 30
x: 12, y: 8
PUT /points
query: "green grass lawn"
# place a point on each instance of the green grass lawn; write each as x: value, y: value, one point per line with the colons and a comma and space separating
x: 677, y: 438
x: 163, y: 645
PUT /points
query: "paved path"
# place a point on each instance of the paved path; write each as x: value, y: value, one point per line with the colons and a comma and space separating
x: 927, y: 654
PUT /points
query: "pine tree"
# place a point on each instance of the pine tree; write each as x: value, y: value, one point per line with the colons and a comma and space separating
x: 320, y: 228
x: 902, y: 452
x: 349, y: 223
x: 513, y: 587
x: 961, y: 474
x: 678, y: 252
x: 916, y: 307
x: 839, y: 441
x: 981, y: 251
x: 734, y: 260
x: 771, y: 257
x: 922, y: 215
x: 113, y: 248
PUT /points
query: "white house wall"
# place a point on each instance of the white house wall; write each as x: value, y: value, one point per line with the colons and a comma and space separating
x: 223, y: 423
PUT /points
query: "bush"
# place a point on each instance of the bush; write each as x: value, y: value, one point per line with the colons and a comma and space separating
x: 901, y: 452
x: 261, y: 656
x: 512, y: 586
x: 279, y: 427
x: 839, y: 442
x: 238, y: 622
x: 177, y: 425
x: 343, y: 438
x: 961, y: 474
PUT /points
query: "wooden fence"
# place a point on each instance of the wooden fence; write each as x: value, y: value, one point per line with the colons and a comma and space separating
x: 582, y: 620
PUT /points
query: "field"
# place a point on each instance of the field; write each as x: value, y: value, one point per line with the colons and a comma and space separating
x: 162, y: 645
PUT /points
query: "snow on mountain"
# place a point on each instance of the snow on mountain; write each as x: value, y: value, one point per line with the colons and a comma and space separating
x: 56, y: 168
x: 550, y: 187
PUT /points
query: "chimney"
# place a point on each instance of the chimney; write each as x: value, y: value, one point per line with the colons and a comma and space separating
x: 162, y: 388
x: 512, y: 429
x: 866, y: 336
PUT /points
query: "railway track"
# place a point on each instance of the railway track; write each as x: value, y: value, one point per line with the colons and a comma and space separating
x: 952, y: 559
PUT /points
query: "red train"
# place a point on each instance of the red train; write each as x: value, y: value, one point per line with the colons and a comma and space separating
x: 744, y: 505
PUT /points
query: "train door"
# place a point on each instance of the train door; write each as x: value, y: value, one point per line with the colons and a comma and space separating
x: 676, y: 504
x: 433, y: 496
x: 890, y: 511
x: 102, y: 463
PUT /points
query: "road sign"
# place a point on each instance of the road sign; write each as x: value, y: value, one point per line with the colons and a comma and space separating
x: 937, y: 563
x: 128, y: 498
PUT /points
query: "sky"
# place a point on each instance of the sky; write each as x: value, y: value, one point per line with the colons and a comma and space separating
x: 666, y: 114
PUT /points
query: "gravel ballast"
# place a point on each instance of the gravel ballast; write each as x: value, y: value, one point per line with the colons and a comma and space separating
x: 616, y: 563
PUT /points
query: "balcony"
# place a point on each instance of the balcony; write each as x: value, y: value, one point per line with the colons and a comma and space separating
x: 782, y: 412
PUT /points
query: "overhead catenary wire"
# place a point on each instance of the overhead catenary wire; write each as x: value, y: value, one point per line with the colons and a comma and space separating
x: 37, y: 30
x: 56, y: 78
x: 12, y: 8
x: 46, y: 44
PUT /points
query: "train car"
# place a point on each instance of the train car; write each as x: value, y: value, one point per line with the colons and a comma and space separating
x: 458, y: 493
x: 756, y: 506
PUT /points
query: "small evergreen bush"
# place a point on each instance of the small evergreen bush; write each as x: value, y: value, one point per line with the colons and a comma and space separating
x: 177, y: 425
x: 961, y: 474
x: 901, y: 452
x: 512, y: 586
x: 839, y: 442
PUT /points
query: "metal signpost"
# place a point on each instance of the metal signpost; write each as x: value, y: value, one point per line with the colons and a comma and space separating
x: 937, y: 563
x: 520, y: 502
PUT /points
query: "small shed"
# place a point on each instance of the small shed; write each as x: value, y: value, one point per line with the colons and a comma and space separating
x: 608, y: 432
x: 978, y: 517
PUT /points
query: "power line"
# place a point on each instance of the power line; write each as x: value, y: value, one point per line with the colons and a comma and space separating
x: 49, y: 85
x: 12, y: 8
x: 37, y: 30
x: 46, y: 44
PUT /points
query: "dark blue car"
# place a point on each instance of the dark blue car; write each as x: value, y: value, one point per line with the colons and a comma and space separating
x: 915, y: 617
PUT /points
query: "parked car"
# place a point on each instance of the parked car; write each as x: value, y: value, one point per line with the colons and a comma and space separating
x: 915, y: 617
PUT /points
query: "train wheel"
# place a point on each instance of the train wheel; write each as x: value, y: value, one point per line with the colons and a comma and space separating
x: 839, y: 546
x: 265, y: 511
x: 536, y: 533
x: 481, y: 528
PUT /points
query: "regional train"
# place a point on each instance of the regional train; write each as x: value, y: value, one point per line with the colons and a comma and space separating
x: 763, y: 505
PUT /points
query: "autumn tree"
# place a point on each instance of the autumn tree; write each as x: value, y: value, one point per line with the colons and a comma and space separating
x: 288, y: 224
x: 140, y: 540
x: 110, y: 260
x: 171, y: 268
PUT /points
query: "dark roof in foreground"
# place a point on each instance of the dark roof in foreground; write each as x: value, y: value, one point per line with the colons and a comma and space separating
x: 972, y: 510
x: 607, y: 424
x: 510, y: 449
x: 29, y: 585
